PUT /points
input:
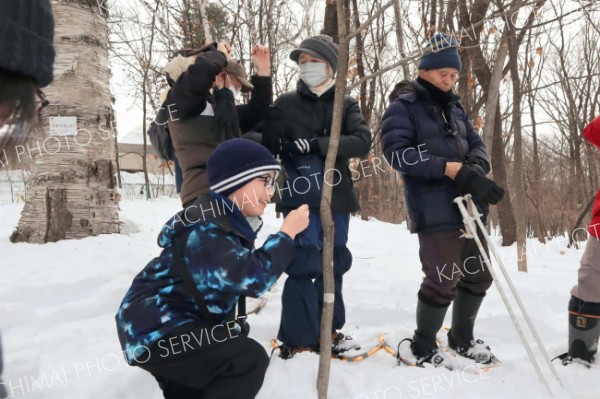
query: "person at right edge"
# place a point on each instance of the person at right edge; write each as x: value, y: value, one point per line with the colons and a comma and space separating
x: 584, y: 306
x: 427, y: 136
x: 297, y: 129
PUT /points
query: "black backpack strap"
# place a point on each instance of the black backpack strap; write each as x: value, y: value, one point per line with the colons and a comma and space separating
x: 189, y: 284
x: 242, y: 308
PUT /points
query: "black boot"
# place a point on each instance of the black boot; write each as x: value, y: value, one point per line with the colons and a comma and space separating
x: 464, y: 313
x: 429, y: 321
x: 584, y: 329
x: 460, y: 337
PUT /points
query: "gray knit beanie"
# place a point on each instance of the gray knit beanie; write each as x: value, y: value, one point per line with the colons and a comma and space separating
x: 320, y: 46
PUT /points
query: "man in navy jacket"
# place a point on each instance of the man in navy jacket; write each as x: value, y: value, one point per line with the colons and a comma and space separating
x: 426, y: 135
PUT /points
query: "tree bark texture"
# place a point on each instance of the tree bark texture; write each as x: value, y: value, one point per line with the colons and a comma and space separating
x: 71, y: 193
x: 326, y: 216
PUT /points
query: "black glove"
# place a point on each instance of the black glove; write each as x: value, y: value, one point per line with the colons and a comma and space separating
x: 480, y: 187
x: 479, y: 165
x: 302, y: 147
x: 244, y: 327
x: 226, y: 114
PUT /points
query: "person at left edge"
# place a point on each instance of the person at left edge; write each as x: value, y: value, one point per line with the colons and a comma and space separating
x: 179, y: 332
x: 26, y: 66
x: 201, y: 106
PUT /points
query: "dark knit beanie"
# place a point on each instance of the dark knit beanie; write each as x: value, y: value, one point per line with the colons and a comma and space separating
x: 320, y: 46
x: 441, y: 52
x: 235, y: 162
x: 26, y: 34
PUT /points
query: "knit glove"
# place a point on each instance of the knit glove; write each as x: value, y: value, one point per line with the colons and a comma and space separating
x: 302, y: 147
x: 480, y: 187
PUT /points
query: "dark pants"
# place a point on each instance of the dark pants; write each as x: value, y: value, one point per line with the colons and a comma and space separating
x: 302, y: 299
x: 451, y: 263
x: 191, y: 363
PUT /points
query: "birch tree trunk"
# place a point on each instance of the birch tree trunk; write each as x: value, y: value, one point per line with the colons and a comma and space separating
x: 71, y: 193
x: 205, y: 25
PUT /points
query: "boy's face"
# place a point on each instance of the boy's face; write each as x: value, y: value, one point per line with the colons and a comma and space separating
x: 253, y: 198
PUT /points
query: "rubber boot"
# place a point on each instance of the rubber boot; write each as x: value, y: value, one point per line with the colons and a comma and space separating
x: 429, y: 321
x: 584, y: 329
x: 464, y: 312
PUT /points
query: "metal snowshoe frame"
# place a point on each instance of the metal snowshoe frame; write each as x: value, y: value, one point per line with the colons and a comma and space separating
x: 472, y: 220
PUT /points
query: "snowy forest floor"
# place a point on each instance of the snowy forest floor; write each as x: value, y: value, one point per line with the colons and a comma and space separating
x: 58, y: 301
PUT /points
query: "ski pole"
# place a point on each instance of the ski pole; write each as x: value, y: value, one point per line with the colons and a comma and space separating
x: 471, y: 229
x: 517, y: 297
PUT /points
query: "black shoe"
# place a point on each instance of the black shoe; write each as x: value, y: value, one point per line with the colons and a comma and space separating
x: 286, y: 352
x: 477, y: 350
x: 341, y: 343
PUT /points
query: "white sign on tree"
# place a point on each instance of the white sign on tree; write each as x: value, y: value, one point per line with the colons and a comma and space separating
x: 63, y: 125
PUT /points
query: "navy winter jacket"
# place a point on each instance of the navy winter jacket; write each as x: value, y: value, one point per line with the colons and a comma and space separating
x: 418, y: 138
x: 217, y: 243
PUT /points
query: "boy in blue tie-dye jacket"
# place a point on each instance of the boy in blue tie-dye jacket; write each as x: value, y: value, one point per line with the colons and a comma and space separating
x: 161, y: 326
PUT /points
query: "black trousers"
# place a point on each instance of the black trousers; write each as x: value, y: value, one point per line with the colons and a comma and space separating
x: 203, y: 361
x: 451, y: 262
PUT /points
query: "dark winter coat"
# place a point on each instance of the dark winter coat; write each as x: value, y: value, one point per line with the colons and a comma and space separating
x: 217, y: 243
x: 195, y: 136
x: 418, y: 142
x: 592, y: 134
x: 301, y: 114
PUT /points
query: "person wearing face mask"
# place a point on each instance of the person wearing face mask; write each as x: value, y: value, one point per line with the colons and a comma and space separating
x: 201, y: 109
x: 427, y: 136
x: 297, y: 129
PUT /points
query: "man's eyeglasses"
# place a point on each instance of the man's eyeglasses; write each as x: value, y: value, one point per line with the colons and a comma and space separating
x: 269, y: 182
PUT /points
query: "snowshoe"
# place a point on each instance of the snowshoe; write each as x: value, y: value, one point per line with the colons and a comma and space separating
x: 567, y: 359
x: 477, y: 351
x: 341, y: 343
x: 434, y: 356
x: 287, y: 352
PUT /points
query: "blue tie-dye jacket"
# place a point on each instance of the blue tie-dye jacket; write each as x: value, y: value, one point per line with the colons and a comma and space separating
x: 217, y: 243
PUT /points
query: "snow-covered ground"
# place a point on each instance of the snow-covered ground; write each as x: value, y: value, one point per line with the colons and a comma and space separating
x: 58, y: 301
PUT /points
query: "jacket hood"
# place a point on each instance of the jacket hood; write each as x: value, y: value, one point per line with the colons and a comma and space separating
x: 210, y: 208
x: 177, y: 66
x: 402, y: 87
x: 407, y: 87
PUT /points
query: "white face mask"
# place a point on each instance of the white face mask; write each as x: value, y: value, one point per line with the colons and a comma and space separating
x: 313, y: 73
